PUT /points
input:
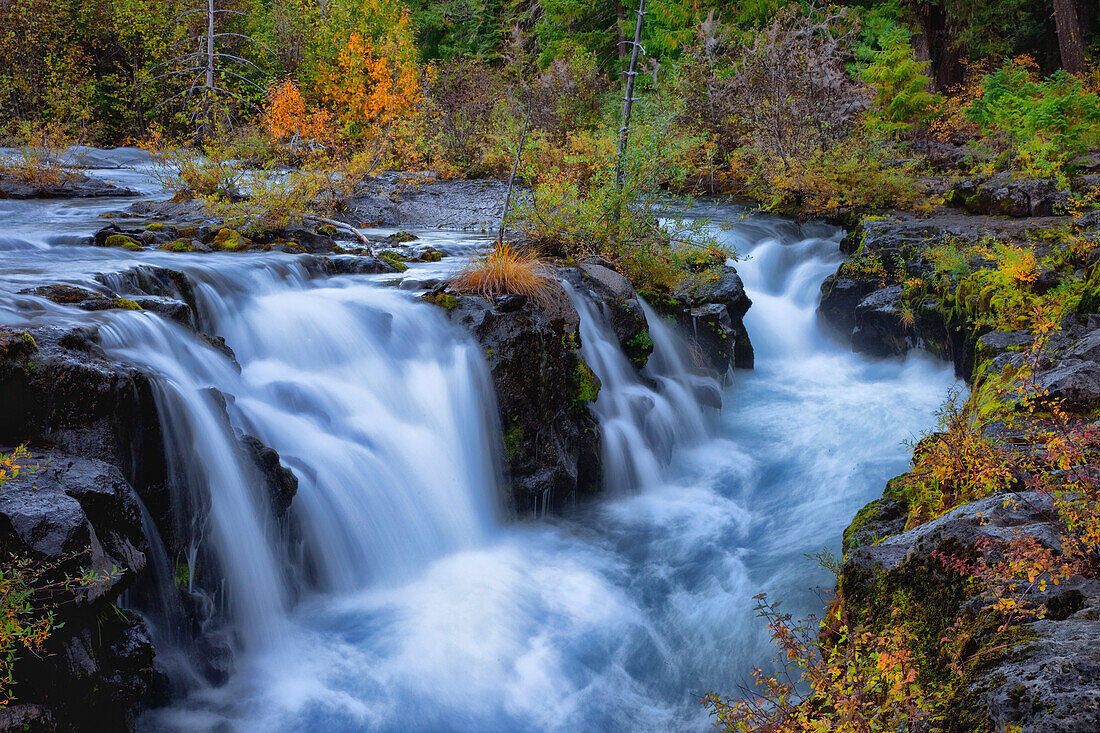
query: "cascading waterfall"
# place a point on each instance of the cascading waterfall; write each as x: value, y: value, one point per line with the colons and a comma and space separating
x: 394, y: 598
x: 640, y: 425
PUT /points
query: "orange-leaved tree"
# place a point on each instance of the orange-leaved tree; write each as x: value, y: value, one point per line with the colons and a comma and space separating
x: 364, y: 67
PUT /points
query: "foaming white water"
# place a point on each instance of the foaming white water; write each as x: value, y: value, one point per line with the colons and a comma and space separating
x: 640, y: 425
x: 397, y: 600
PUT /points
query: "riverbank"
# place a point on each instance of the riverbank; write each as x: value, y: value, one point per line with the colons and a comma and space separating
x: 982, y: 557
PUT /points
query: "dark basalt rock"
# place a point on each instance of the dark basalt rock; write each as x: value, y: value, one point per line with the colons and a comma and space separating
x: 617, y: 296
x: 543, y: 388
x: 1006, y: 195
x: 840, y: 296
x: 280, y: 481
x: 77, y: 185
x: 68, y: 394
x: 66, y: 513
x: 1045, y: 682
x: 877, y: 326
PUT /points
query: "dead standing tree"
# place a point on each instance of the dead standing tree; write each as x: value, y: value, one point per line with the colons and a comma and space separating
x: 203, y: 71
x: 628, y: 104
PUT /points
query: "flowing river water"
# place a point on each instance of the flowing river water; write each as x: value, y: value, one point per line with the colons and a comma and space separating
x: 405, y: 600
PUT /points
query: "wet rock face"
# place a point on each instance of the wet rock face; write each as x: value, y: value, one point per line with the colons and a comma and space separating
x: 69, y: 395
x: 712, y: 318
x: 280, y: 482
x: 1045, y: 682
x: 615, y: 294
x: 543, y: 387
x: 68, y: 514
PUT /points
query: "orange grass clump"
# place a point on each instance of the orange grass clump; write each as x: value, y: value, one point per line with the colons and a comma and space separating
x: 505, y: 270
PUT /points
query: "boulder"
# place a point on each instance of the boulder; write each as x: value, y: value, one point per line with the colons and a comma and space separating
x: 617, y: 297
x: 279, y: 481
x: 878, y: 329
x: 74, y: 185
x: 1077, y: 383
x: 713, y: 319
x: 1050, y: 679
x: 543, y: 389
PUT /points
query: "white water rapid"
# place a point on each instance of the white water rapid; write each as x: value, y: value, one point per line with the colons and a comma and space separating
x: 398, y: 598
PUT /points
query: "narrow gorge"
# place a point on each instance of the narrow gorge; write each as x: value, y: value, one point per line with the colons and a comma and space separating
x: 326, y: 493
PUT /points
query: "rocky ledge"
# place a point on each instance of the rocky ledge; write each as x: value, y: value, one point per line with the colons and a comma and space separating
x: 1041, y: 673
x: 73, y: 185
x: 96, y: 450
x: 544, y: 387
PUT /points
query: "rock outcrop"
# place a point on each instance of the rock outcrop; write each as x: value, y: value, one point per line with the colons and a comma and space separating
x: 543, y: 389
x: 74, y: 185
x: 1042, y: 679
x: 68, y: 516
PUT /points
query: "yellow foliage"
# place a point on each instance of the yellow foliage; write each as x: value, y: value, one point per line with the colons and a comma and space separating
x: 286, y: 118
x: 373, y: 83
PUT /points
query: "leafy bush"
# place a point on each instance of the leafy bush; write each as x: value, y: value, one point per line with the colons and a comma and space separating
x: 209, y: 170
x: 856, y: 173
x: 39, y: 160
x: 1039, y: 125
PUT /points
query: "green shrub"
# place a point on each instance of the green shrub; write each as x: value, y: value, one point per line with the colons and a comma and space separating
x: 902, y: 101
x: 1039, y: 125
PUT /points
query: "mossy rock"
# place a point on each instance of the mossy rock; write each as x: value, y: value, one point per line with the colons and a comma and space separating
x: 875, y: 522
x: 442, y: 299
x: 586, y: 385
x: 178, y: 245
x: 393, y: 259
x: 513, y: 442
x: 638, y: 348
x: 122, y: 242
x: 230, y: 240
x: 127, y: 305
x: 16, y: 345
x: 155, y: 226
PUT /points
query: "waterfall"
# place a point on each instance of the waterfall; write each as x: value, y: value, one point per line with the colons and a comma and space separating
x: 641, y: 423
x: 393, y: 597
x: 381, y: 408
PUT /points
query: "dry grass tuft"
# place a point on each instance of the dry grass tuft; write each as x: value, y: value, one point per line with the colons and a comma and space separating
x: 503, y: 270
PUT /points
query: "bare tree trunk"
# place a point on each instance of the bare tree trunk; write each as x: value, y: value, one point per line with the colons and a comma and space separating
x: 1070, y: 40
x: 209, y: 47
x: 628, y: 103
x: 620, y: 36
x: 512, y: 177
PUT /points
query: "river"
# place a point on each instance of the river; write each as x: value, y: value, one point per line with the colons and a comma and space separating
x: 405, y: 600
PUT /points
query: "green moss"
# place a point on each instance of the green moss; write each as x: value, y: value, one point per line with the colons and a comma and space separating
x: 638, y: 348
x: 178, y: 245
x: 230, y: 240
x: 393, y: 259
x: 442, y: 299
x: 121, y: 241
x: 586, y: 385
x: 127, y: 304
x: 570, y: 341
x: 17, y: 345
x: 156, y: 226
x: 513, y: 442
x: 183, y: 575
